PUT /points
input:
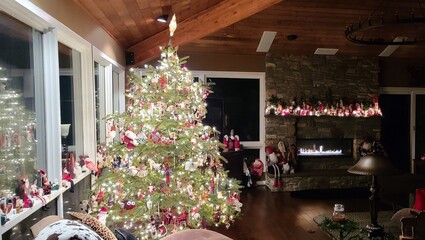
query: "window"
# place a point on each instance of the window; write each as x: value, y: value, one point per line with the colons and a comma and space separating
x: 67, y: 59
x: 234, y: 104
x: 36, y: 49
x: 237, y: 103
x: 116, y: 91
x: 109, y: 95
x: 403, y: 120
x: 19, y: 64
x: 99, y: 91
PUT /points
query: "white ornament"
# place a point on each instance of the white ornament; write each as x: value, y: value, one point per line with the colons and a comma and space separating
x: 133, y: 170
x: 190, y: 166
x: 102, y: 216
x: 197, y: 217
x: 189, y: 189
x: 149, y: 204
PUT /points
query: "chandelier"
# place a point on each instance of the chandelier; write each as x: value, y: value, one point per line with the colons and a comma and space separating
x: 392, y: 23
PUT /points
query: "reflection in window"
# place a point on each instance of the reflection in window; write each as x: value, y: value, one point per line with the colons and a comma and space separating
x: 66, y: 78
x: 115, y: 92
x: 18, y: 145
x: 99, y: 89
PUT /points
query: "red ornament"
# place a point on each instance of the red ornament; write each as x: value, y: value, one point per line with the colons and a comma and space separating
x: 181, y: 218
x: 167, y: 172
x: 217, y: 215
x: 130, y: 205
x: 163, y: 82
x: 155, y: 137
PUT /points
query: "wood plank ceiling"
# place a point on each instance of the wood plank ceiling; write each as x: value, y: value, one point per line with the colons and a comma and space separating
x: 236, y: 26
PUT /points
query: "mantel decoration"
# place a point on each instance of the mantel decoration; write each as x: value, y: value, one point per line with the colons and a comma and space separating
x: 391, y: 23
x: 366, y: 108
x: 165, y: 173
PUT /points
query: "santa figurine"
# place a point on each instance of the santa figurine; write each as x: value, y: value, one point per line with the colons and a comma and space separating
x: 272, y: 165
x: 237, y: 144
x: 231, y: 142
x: 45, y: 185
x: 257, y: 167
x: 130, y: 139
x: 102, y: 215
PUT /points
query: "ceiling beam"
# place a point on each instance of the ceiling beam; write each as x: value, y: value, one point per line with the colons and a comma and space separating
x: 197, y: 26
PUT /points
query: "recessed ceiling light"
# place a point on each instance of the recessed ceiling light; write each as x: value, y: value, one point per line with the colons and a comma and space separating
x: 326, y: 51
x: 266, y: 41
x: 390, y: 49
x: 291, y: 37
x: 162, y: 18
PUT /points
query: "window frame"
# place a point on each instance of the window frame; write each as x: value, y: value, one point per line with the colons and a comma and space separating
x: 261, y: 76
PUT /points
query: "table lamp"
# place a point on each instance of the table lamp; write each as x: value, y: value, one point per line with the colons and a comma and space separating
x: 64, y: 134
x: 374, y: 165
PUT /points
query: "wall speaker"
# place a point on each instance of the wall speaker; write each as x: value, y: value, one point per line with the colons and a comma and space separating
x: 129, y: 58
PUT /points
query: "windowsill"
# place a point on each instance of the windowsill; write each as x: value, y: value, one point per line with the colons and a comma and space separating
x: 26, y: 212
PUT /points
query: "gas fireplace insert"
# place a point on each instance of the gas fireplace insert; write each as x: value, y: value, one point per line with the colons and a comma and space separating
x: 325, y: 147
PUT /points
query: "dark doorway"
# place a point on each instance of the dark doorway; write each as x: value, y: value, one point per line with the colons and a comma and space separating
x: 396, y: 129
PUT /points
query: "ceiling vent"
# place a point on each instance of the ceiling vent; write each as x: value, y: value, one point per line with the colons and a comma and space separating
x: 266, y: 41
x: 326, y: 51
x: 390, y: 49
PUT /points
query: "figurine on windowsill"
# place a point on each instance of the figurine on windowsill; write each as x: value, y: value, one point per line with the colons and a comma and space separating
x: 43, y: 183
x: 231, y: 142
x: 23, y: 191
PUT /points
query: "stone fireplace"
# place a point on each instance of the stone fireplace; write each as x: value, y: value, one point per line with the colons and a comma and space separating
x: 326, y: 78
x: 331, y: 79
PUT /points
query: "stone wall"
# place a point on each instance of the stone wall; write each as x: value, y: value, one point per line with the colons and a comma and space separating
x: 321, y: 77
x: 325, y: 78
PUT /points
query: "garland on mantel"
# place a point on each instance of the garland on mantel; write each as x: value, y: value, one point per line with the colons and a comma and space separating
x: 362, y: 109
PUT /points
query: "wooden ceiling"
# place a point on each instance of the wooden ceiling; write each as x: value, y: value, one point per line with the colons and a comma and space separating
x: 236, y: 26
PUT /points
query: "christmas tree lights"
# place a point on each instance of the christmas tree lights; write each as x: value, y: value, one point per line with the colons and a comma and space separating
x: 17, y: 141
x: 165, y: 174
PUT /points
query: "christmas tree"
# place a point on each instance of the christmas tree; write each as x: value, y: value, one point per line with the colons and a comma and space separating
x: 17, y: 142
x: 165, y: 174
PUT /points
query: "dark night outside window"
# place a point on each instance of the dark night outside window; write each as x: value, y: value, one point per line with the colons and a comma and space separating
x: 234, y: 104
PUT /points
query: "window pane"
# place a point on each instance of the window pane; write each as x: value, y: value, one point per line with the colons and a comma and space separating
x: 97, y: 100
x: 66, y: 78
x: 395, y: 125
x: 115, y: 91
x: 234, y: 104
x: 420, y: 127
x: 99, y: 88
x: 17, y: 104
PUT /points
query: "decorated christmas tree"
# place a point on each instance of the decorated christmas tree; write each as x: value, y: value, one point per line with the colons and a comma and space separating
x: 17, y: 142
x: 165, y: 173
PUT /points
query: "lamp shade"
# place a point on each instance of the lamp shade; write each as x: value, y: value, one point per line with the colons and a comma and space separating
x: 374, y: 164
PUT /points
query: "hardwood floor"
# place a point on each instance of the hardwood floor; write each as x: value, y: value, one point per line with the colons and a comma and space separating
x: 284, y: 215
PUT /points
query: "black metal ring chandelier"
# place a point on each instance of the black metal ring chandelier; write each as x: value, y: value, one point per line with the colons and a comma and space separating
x: 387, y: 29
